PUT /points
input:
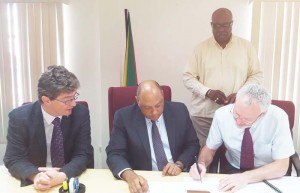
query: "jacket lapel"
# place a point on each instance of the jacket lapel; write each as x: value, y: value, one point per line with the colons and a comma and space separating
x: 170, y: 127
x: 38, y: 125
x: 141, y: 130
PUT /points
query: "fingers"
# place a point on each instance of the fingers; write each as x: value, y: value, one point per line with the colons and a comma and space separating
x: 138, y: 185
x: 230, y: 98
x: 217, y: 96
x: 202, y: 169
x: 45, y: 169
x: 171, y: 169
x: 194, y: 172
x: 232, y: 183
x: 42, y: 182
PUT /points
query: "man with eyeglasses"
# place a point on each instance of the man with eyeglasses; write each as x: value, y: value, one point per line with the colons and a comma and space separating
x: 217, y: 69
x: 271, y: 145
x: 49, y: 140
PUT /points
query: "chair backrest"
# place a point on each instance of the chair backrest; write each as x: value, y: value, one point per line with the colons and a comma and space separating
x: 119, y: 97
x: 83, y: 103
x: 288, y: 107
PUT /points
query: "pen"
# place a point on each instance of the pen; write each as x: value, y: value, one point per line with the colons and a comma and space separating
x: 272, y: 186
x: 198, y: 169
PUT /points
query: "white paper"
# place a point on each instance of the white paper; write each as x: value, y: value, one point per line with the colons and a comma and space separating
x: 285, y: 184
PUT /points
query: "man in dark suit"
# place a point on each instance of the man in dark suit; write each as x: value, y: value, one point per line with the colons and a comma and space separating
x: 131, y: 146
x: 30, y: 133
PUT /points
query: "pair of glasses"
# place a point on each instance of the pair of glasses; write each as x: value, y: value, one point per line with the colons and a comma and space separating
x: 69, y: 101
x: 221, y: 25
x: 245, y: 120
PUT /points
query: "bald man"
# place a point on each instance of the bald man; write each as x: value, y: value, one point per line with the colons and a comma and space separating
x: 131, y: 146
x: 217, y: 69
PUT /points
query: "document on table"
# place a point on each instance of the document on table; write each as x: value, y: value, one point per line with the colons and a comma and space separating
x: 285, y: 184
x: 208, y: 184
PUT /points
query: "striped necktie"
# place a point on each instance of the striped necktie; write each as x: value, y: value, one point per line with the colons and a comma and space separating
x: 161, y: 158
x: 57, y: 145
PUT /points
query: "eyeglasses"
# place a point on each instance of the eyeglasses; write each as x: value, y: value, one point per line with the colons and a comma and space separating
x: 245, y: 121
x: 69, y: 101
x: 221, y: 25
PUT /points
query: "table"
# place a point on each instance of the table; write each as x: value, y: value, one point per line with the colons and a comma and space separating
x: 96, y: 180
x: 102, y: 180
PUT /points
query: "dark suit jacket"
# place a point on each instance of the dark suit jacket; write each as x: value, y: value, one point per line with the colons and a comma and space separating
x: 26, y: 142
x: 129, y: 143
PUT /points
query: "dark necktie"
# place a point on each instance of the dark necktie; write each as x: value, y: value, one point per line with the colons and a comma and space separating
x: 161, y: 158
x: 247, y: 154
x: 57, y: 145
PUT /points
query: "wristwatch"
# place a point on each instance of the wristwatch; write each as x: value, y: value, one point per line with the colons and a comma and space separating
x: 179, y: 165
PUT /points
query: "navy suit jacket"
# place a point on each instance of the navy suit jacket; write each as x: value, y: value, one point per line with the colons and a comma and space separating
x: 26, y: 142
x: 129, y: 142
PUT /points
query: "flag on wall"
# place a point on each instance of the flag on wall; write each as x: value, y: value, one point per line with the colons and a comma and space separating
x: 129, y: 75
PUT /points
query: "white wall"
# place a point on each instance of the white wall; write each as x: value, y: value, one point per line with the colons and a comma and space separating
x: 165, y: 33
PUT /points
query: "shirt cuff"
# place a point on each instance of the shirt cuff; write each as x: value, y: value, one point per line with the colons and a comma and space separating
x: 120, y: 173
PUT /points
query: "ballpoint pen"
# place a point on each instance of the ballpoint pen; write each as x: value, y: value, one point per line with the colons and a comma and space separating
x: 198, y: 169
x: 272, y: 186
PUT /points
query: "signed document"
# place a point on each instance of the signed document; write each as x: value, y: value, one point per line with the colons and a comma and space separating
x: 210, y: 185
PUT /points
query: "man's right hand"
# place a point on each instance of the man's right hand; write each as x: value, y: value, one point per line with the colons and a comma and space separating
x: 217, y: 96
x: 136, y: 183
x: 194, y: 172
x: 41, y: 181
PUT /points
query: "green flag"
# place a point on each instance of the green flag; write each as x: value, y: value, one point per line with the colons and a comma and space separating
x: 129, y: 75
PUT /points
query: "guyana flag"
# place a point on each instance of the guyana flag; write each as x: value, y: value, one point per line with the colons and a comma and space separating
x: 129, y: 75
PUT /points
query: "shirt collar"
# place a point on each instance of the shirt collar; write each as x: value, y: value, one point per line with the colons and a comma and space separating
x: 47, y: 117
x: 157, y: 121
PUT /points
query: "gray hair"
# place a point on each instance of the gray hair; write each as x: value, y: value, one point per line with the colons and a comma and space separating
x: 256, y: 92
x: 56, y: 80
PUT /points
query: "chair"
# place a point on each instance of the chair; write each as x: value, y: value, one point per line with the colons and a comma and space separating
x: 119, y: 97
x: 289, y: 108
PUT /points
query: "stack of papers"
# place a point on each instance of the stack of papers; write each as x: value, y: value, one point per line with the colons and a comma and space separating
x: 285, y: 184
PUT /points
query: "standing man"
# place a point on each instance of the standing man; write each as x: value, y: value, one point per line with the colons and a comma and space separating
x: 49, y: 140
x: 256, y: 135
x: 151, y: 134
x: 218, y: 68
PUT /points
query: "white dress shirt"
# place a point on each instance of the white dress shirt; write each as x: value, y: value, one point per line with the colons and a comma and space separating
x: 271, y: 136
x: 48, y: 131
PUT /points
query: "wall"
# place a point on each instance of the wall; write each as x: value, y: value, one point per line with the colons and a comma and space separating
x: 165, y: 34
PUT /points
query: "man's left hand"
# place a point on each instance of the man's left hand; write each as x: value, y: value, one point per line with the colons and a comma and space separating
x: 171, y: 169
x: 230, y: 99
x: 233, y: 182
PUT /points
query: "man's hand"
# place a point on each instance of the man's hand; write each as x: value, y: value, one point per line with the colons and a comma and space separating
x: 233, y: 182
x: 171, y: 169
x: 41, y: 181
x: 194, y: 172
x: 230, y: 99
x: 136, y: 183
x: 55, y: 176
x: 217, y: 96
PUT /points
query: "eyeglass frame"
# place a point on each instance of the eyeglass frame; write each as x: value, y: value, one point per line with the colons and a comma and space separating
x: 236, y: 116
x: 69, y: 101
x: 221, y: 25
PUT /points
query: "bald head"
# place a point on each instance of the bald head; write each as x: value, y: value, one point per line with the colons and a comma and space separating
x: 150, y: 99
x: 221, y: 23
x: 221, y: 13
x: 148, y: 86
